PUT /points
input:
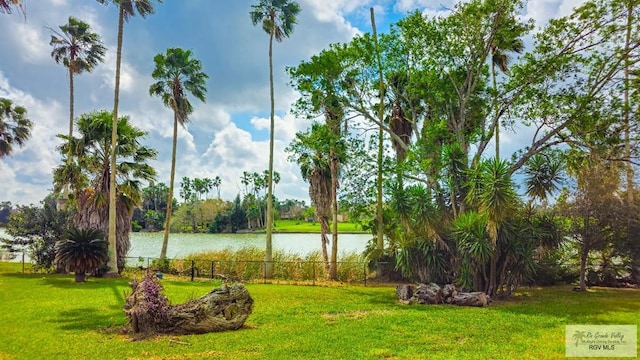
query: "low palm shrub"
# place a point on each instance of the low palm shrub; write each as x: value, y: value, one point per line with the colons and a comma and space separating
x: 81, y: 251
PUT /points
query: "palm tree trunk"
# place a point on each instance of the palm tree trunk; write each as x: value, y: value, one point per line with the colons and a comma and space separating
x: 113, y: 250
x: 80, y: 276
x: 583, y: 267
x: 65, y: 196
x: 268, y: 256
x: 495, y: 102
x: 324, y: 230
x: 493, y: 272
x: 635, y: 256
x: 167, y: 225
x: 70, y: 105
x: 379, y: 217
x: 333, y: 270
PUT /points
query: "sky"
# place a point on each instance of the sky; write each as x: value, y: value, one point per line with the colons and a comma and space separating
x: 226, y: 135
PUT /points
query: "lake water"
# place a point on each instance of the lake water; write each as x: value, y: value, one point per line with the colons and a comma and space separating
x: 181, y: 245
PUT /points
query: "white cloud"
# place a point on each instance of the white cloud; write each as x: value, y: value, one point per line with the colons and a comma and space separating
x: 27, y: 174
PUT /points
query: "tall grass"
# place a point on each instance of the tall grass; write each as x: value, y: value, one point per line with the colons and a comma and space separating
x: 247, y: 264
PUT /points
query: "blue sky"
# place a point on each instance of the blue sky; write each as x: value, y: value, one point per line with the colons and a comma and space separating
x: 229, y: 133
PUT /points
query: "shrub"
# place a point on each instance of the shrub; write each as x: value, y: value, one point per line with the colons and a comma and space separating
x: 82, y: 251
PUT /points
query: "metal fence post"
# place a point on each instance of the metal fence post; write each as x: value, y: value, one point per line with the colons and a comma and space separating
x: 364, y: 268
x: 23, y: 262
x: 193, y: 269
x: 213, y: 268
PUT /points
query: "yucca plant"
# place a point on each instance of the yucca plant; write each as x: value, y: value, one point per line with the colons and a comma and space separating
x: 81, y: 251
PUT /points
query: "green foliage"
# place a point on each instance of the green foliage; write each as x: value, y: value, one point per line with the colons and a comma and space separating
x: 232, y: 219
x: 76, y: 47
x: 154, y: 220
x: 5, y: 211
x: 15, y: 126
x: 91, y: 166
x: 81, y: 251
x: 36, y: 230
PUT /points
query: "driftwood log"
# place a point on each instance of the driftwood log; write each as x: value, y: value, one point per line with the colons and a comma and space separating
x: 434, y: 294
x: 149, y: 312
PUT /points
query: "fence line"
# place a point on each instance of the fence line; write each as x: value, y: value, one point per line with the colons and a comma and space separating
x: 256, y: 270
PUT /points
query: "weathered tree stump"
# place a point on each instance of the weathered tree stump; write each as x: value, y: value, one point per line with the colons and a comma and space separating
x: 448, y: 293
x: 479, y: 299
x: 434, y: 294
x: 149, y: 312
x: 428, y: 294
x: 404, y: 292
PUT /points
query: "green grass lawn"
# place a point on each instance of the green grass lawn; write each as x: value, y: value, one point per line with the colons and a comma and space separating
x: 50, y: 317
x: 297, y: 226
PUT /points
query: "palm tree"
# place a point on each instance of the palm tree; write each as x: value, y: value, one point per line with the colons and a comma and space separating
x: 543, y: 176
x: 311, y: 151
x: 126, y: 10
x: 81, y: 251
x: 503, y: 43
x: 277, y: 18
x: 217, y: 181
x: 6, y: 6
x: 178, y: 74
x: 79, y: 50
x: 89, y: 176
x: 15, y: 127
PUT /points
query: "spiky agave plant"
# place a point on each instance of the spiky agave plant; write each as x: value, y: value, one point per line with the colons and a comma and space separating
x: 81, y: 251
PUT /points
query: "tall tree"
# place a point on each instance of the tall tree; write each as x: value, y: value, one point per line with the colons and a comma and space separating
x: 507, y: 39
x: 277, y: 18
x: 217, y: 181
x: 178, y: 74
x: 126, y: 10
x: 379, y: 207
x: 90, y: 176
x: 635, y: 266
x: 79, y: 50
x: 310, y: 151
x: 15, y: 127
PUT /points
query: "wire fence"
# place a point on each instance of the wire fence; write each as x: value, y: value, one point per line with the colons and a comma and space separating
x: 299, y: 271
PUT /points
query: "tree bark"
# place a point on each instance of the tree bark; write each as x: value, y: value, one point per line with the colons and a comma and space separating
x: 333, y: 165
x: 112, y: 231
x: 434, y: 294
x: 478, y: 299
x: 224, y: 308
x: 80, y: 276
x: 379, y: 205
x: 583, y: 267
x: 93, y: 215
x: 268, y: 254
x: 167, y: 225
